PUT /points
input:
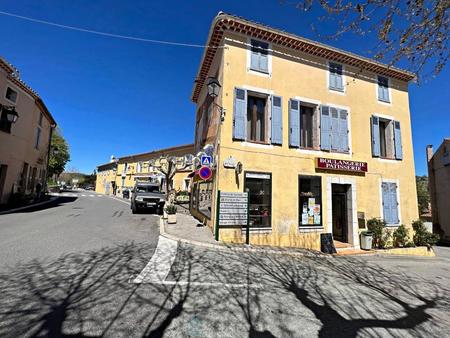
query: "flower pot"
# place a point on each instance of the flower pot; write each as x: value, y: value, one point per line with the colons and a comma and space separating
x: 172, y: 219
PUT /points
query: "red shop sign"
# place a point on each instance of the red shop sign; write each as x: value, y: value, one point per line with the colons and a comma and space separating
x: 341, y: 165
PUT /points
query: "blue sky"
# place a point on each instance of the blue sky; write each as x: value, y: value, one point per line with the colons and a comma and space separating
x: 112, y: 96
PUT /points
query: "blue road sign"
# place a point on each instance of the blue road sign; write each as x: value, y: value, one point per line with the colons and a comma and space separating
x: 206, y: 160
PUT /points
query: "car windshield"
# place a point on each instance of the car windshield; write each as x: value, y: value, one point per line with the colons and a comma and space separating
x: 147, y: 188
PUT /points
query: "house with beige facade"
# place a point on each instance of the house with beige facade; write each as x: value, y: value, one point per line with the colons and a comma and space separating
x: 318, y: 138
x: 26, y: 127
x: 121, y: 174
x: 439, y: 186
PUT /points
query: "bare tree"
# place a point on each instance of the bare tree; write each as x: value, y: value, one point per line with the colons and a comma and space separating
x: 169, y: 166
x: 413, y: 32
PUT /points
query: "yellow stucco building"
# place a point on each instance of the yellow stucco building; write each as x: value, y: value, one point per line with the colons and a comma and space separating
x: 25, y: 143
x: 120, y: 174
x: 319, y: 138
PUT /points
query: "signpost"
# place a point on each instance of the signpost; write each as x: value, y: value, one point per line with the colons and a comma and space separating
x: 232, y: 210
x: 206, y: 160
x: 205, y: 173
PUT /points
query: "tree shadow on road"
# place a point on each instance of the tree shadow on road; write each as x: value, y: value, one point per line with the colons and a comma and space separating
x: 252, y: 294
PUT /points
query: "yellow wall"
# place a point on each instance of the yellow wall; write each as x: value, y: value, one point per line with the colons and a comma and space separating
x: 103, y: 183
x: 298, y: 75
x: 18, y: 147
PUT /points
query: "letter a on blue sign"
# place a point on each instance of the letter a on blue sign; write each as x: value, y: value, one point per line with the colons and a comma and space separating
x: 206, y: 160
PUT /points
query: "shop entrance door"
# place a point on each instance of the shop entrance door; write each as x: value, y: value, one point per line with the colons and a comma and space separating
x: 339, y: 212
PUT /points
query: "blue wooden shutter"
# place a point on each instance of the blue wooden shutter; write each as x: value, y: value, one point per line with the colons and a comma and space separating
x: 383, y: 88
x: 277, y: 120
x: 263, y: 57
x: 325, y: 128
x: 398, y: 141
x: 343, y: 130
x: 375, y: 122
x: 394, y: 203
x: 386, y: 200
x: 335, y: 139
x: 294, y: 123
x: 240, y: 114
x: 339, y: 80
x: 332, y: 78
x: 336, y: 80
x: 254, y: 55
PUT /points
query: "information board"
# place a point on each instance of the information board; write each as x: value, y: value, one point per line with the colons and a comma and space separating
x: 233, y: 208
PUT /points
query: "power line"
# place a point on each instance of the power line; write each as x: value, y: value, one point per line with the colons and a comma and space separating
x: 111, y: 35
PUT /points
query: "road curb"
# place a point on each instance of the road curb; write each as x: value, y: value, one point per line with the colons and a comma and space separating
x: 232, y: 248
x: 52, y: 199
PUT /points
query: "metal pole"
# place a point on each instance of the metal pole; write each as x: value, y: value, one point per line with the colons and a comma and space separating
x: 247, y: 235
x: 217, y: 216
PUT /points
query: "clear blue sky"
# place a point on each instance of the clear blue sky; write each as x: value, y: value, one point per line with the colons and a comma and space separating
x: 120, y: 97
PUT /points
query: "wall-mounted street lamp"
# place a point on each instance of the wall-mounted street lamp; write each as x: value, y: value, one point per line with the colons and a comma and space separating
x: 11, y: 114
x: 213, y: 87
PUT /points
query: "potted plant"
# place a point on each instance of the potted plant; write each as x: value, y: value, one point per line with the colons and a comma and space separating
x: 171, y: 211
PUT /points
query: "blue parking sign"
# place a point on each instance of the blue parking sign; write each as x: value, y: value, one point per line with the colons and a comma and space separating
x: 206, y: 160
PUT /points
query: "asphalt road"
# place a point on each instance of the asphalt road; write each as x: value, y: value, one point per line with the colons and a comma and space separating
x: 78, y: 221
x: 87, y: 287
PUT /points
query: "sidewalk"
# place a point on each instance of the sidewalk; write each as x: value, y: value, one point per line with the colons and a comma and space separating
x: 51, y: 199
x: 187, y: 231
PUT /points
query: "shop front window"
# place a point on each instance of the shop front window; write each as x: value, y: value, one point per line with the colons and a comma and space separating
x: 259, y: 188
x: 310, y: 200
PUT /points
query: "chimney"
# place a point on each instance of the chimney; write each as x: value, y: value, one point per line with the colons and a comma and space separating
x: 112, y: 159
x: 429, y: 152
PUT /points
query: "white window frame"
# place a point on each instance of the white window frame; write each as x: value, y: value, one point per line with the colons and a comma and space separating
x: 269, y: 58
x: 344, y: 82
x: 399, y: 209
x: 389, y: 90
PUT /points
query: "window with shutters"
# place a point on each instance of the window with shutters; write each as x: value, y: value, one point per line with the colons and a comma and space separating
x: 259, y: 56
x: 390, y: 203
x: 303, y: 125
x: 256, y: 118
x: 334, y: 129
x: 383, y: 89
x: 386, y: 138
x: 336, y: 77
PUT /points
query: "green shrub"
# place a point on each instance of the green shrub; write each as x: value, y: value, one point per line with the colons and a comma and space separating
x: 376, y: 226
x: 385, y: 239
x: 400, y: 236
x: 171, y: 209
x: 422, y: 237
x: 409, y: 245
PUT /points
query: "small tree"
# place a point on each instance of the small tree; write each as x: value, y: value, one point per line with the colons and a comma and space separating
x: 59, y: 155
x: 169, y: 166
x: 423, y: 195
